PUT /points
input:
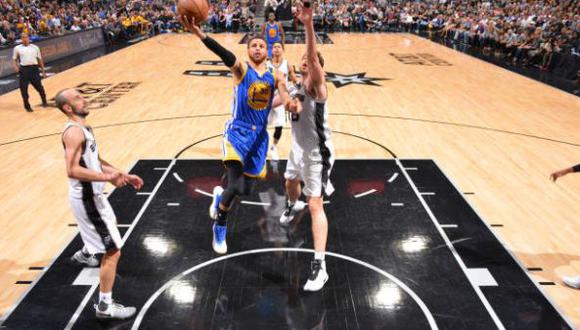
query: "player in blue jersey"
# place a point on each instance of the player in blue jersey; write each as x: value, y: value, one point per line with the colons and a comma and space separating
x: 272, y: 32
x: 245, y: 143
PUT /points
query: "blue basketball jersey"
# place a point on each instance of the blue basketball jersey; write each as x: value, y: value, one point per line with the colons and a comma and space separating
x: 272, y: 33
x: 253, y: 97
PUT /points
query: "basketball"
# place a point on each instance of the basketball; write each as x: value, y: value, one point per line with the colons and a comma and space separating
x: 193, y: 8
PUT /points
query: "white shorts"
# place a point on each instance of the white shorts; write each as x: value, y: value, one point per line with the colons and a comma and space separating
x: 277, y: 117
x: 97, y: 224
x: 313, y: 171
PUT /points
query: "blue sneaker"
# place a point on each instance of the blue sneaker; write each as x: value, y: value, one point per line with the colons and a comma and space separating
x: 217, y: 197
x: 219, y: 239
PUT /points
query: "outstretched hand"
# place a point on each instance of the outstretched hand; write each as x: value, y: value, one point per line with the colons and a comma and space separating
x: 135, y: 181
x: 304, y: 12
x: 189, y: 25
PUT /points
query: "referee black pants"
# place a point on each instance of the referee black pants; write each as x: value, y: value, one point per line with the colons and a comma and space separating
x: 30, y: 74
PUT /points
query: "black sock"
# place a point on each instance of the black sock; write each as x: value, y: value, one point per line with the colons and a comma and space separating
x: 221, y: 217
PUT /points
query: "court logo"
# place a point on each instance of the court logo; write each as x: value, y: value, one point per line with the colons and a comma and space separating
x: 337, y: 79
x: 420, y: 59
x: 102, y: 95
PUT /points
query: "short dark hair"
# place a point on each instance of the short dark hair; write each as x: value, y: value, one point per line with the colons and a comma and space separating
x: 254, y: 37
x: 61, y: 100
x: 281, y: 44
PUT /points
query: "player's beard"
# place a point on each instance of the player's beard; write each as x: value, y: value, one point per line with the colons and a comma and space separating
x: 257, y: 62
x: 82, y: 113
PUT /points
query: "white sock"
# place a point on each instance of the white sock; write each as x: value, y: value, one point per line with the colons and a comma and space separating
x: 319, y: 255
x: 107, y: 298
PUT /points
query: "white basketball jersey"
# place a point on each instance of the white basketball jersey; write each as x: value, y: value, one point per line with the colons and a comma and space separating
x: 90, y: 160
x: 310, y: 130
x: 283, y: 68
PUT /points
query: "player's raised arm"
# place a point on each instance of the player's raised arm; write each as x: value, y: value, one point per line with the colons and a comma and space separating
x: 316, y: 73
x: 225, y: 55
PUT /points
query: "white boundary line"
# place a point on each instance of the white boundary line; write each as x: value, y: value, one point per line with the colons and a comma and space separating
x: 372, y: 191
x: 397, y: 204
x: 255, y: 203
x: 46, y: 268
x: 414, y: 296
x: 172, y: 204
x: 143, y: 193
x: 203, y: 192
x: 393, y: 177
x: 500, y: 240
x: 449, y: 226
x: 177, y: 177
x: 477, y: 289
x: 81, y: 307
x: 428, y: 193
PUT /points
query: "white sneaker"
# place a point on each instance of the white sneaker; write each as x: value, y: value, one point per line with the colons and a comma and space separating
x: 114, y: 311
x: 318, y: 276
x: 274, y: 153
x: 291, y: 211
x: 573, y: 282
x: 215, y: 203
x: 80, y: 258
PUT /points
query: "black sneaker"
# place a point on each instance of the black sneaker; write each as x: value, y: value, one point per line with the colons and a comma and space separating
x: 29, y: 109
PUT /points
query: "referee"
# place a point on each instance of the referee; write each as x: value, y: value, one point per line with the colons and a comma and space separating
x: 26, y: 61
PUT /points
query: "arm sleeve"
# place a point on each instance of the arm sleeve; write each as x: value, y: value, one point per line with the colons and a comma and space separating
x: 576, y: 168
x: 227, y: 57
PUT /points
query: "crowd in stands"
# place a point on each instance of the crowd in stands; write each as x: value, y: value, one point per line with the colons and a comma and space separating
x: 524, y: 31
x: 124, y: 19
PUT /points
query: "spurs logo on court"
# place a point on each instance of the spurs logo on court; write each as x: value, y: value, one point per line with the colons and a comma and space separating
x: 337, y: 79
x: 341, y: 80
x: 101, y: 95
x: 420, y: 59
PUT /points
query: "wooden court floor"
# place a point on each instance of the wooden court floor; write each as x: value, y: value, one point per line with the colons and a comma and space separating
x: 496, y: 134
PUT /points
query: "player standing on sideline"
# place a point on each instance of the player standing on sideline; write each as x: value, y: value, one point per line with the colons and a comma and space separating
x: 278, y: 115
x: 273, y: 32
x: 96, y: 220
x: 245, y: 143
x: 311, y: 157
x: 573, y: 282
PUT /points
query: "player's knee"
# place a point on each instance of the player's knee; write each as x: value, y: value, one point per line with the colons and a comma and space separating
x: 113, y: 255
x: 315, y: 205
x: 237, y: 187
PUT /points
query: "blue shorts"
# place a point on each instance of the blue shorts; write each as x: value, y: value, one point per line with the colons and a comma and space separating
x: 247, y: 144
x: 270, y: 45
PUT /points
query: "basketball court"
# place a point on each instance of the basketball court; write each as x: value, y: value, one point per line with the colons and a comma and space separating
x: 444, y: 216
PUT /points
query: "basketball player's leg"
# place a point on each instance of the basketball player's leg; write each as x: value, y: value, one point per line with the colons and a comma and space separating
x: 277, y: 118
x: 98, y: 228
x: 315, y: 184
x: 222, y: 202
x: 293, y: 178
x: 108, y: 271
